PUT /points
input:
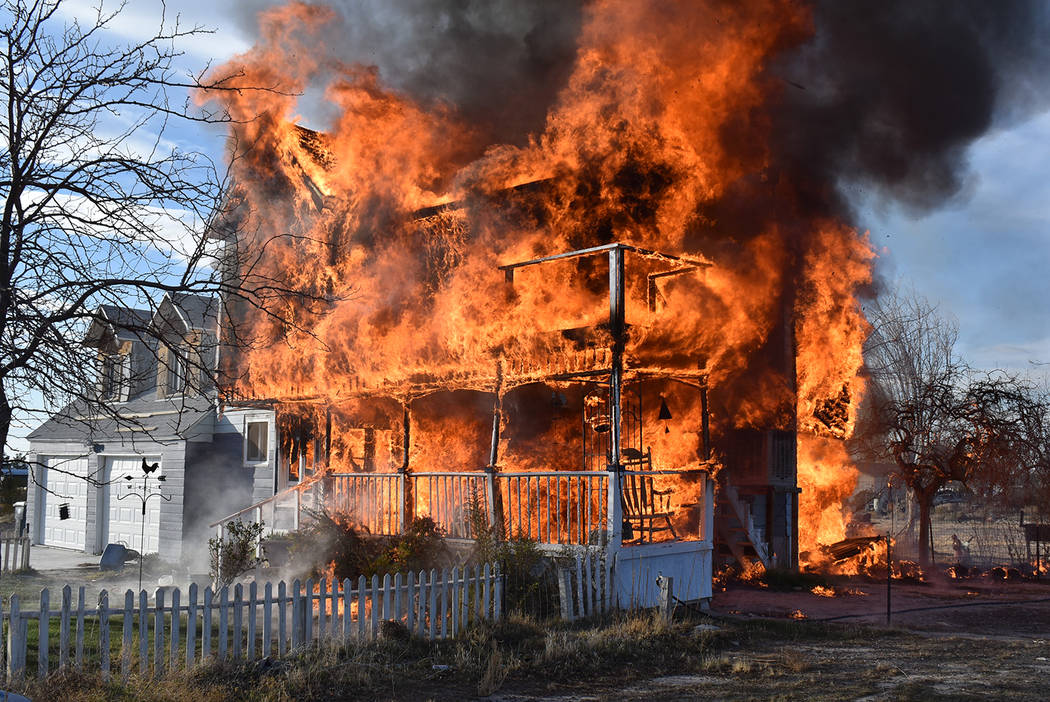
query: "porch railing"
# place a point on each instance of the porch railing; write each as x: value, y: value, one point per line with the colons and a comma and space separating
x: 556, y: 507
x: 550, y: 507
x: 457, y: 502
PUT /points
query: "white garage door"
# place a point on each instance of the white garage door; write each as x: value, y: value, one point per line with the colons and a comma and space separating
x: 64, y: 494
x: 125, y: 515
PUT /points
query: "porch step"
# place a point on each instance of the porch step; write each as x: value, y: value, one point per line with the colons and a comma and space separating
x: 736, y: 534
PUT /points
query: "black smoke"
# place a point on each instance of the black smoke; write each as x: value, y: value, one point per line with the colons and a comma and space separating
x: 886, y: 97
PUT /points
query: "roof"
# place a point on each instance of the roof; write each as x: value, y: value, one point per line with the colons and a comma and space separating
x: 193, y: 311
x: 124, y: 323
x: 201, y: 311
x: 143, y: 419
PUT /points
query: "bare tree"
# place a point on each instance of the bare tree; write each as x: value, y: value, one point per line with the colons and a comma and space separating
x: 100, y: 205
x: 937, y: 420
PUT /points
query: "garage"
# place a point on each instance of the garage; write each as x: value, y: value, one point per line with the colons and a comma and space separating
x: 124, y: 524
x: 64, y: 493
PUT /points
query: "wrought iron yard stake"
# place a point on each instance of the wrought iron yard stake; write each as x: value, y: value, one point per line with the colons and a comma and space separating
x: 144, y: 495
x: 889, y: 578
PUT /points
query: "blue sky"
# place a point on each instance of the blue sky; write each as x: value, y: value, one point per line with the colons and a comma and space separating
x: 984, y: 258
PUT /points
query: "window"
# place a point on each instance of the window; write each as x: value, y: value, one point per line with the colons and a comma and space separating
x: 116, y: 376
x: 256, y: 444
x: 176, y: 382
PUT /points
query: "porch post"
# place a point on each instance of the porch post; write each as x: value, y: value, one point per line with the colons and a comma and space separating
x: 405, y: 495
x: 617, y: 328
x: 705, y: 418
x: 709, y: 510
x: 494, y: 504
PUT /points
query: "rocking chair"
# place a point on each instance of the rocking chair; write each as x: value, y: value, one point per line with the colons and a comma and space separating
x: 645, y: 508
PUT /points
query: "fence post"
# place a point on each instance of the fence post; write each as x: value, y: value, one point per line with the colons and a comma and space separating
x: 443, y: 606
x: 565, y: 593
x: 455, y: 602
x: 125, y: 652
x: 80, y: 628
x: 143, y: 632
x: 497, y: 605
x: 238, y: 621
x: 666, y: 583
x: 173, y: 647
x: 299, y: 614
x: 267, y: 642
x: 322, y: 608
x: 410, y: 601
x: 581, y: 602
x: 376, y: 604
x: 486, y: 587
x: 347, y: 618
x: 43, y: 631
x: 308, y: 611
x: 103, y: 634
x: 191, y: 624
x: 224, y: 621
x: 421, y: 618
x: 362, y: 607
x: 386, y: 596
x: 209, y: 596
x: 63, y: 635
x: 15, y: 641
x: 282, y: 617
x: 158, y: 633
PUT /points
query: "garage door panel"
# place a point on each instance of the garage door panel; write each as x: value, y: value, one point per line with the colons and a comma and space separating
x: 65, y: 482
x: 125, y: 515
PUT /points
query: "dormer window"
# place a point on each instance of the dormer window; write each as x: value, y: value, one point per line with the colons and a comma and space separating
x: 116, y: 376
x: 176, y: 373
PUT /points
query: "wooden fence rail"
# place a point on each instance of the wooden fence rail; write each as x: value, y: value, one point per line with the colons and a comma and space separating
x: 14, y: 553
x: 251, y: 623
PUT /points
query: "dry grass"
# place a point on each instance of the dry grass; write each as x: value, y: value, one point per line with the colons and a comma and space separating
x: 635, y: 656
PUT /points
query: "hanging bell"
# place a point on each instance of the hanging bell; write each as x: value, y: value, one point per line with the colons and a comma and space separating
x: 665, y: 412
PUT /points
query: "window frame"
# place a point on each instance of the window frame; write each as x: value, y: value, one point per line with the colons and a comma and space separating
x: 264, y: 455
x: 116, y: 376
x: 175, y: 380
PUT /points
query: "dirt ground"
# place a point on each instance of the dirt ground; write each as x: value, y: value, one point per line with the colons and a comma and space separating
x: 800, y: 645
x: 977, y: 606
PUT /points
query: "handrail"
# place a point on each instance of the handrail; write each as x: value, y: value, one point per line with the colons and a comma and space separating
x: 280, y: 495
x: 554, y: 474
x: 689, y: 471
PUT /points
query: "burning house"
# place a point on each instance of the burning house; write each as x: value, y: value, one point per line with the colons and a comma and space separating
x: 630, y: 330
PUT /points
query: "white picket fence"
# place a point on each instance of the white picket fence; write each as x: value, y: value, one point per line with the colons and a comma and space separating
x: 584, y: 588
x: 241, y: 623
x: 14, y: 553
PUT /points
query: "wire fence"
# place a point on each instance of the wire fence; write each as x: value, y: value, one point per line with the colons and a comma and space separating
x: 965, y: 533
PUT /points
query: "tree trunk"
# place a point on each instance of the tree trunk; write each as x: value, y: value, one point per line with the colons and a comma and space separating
x: 5, y: 419
x: 925, y: 523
